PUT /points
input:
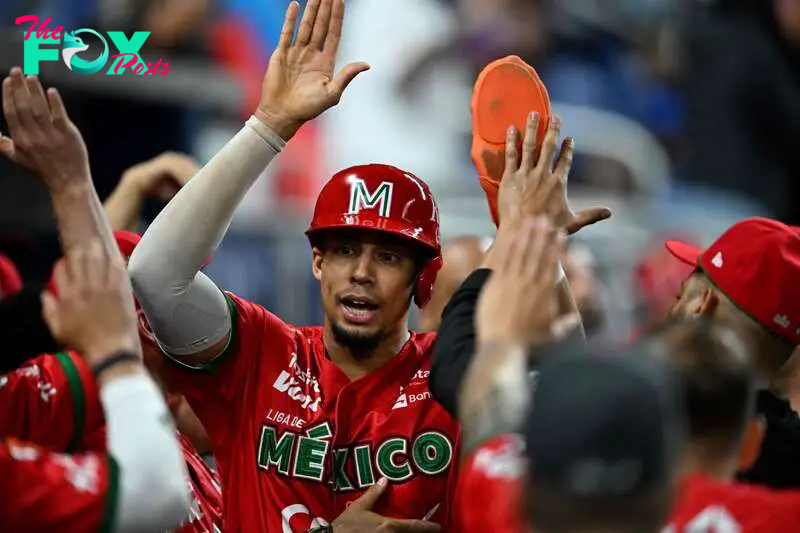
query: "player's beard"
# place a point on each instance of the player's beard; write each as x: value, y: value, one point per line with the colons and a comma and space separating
x: 358, y: 343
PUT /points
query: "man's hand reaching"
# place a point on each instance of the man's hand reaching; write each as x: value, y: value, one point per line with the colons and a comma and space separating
x: 535, y: 183
x: 42, y: 137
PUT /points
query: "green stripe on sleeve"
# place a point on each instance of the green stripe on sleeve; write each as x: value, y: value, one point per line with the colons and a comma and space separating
x: 78, y: 396
x: 112, y: 497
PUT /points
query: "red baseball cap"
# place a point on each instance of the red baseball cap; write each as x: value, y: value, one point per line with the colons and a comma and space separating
x: 755, y: 263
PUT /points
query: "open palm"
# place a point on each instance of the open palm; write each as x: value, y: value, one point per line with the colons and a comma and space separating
x: 300, y: 82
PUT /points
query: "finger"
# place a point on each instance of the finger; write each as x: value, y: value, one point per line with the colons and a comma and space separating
x: 307, y: 23
x: 413, y: 526
x: 50, y: 313
x: 8, y: 149
x: 22, y: 101
x: 10, y: 109
x: 321, y: 25
x: 549, y: 145
x: 587, y: 217
x: 331, y: 46
x: 564, y: 161
x: 289, y: 22
x: 57, y: 109
x: 371, y: 496
x: 40, y: 108
x: 512, y: 159
x: 345, y: 77
x: 60, y: 276
x: 529, y: 142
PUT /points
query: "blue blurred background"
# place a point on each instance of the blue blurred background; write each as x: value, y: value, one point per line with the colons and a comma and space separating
x: 685, y: 112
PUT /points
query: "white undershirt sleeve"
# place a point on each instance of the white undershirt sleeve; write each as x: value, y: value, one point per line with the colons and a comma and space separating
x: 153, y: 494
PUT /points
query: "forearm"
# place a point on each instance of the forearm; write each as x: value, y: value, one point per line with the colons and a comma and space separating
x: 142, y: 441
x: 494, y: 396
x: 81, y: 218
x: 185, y: 310
x: 124, y: 207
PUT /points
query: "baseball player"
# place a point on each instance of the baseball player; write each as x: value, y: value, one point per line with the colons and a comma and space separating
x: 54, y: 402
x: 303, y: 420
x: 132, y: 487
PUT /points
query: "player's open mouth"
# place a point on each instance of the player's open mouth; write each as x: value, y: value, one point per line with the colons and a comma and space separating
x: 358, y: 310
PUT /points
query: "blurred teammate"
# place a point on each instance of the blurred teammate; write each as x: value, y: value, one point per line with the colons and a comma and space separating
x: 53, y: 400
x: 750, y: 276
x: 304, y: 419
x: 139, y: 484
x: 600, y: 459
x: 716, y: 368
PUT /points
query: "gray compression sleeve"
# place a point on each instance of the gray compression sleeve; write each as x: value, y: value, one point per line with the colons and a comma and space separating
x: 186, y: 311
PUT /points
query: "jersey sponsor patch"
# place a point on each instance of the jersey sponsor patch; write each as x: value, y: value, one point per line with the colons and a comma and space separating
x: 306, y: 456
x: 300, y: 385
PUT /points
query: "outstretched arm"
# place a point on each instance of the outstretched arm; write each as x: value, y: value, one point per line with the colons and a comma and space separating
x: 44, y: 140
x: 188, y: 314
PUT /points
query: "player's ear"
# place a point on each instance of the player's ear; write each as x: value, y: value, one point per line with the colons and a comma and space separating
x: 707, y: 303
x: 316, y: 262
x: 174, y: 401
x: 751, y: 443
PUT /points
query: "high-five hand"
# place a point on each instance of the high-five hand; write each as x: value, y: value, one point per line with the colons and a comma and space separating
x: 533, y: 185
x: 300, y: 82
x: 43, y: 138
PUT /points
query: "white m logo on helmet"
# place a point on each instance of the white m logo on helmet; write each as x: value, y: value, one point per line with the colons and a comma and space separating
x: 361, y: 198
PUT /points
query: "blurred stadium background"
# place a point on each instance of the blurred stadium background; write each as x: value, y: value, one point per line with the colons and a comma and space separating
x: 686, y: 115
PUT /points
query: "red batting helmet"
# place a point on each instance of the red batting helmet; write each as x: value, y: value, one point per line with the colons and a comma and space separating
x: 383, y: 198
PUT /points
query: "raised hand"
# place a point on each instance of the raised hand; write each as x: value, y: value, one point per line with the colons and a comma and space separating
x: 43, y: 138
x: 519, y: 302
x: 300, y: 82
x: 161, y: 177
x: 534, y: 185
x: 93, y: 312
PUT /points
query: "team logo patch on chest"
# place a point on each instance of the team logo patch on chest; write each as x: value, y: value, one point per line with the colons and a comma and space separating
x: 309, y: 455
x: 300, y: 385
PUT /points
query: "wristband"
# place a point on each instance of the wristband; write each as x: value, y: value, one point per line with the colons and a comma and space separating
x: 113, y: 359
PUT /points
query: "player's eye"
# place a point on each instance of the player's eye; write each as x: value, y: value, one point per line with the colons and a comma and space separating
x: 346, y: 249
x: 388, y: 257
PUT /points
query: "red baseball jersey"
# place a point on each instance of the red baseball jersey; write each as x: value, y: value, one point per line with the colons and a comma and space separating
x: 296, y: 440
x: 707, y: 505
x: 494, y: 471
x: 53, y: 401
x: 44, y: 492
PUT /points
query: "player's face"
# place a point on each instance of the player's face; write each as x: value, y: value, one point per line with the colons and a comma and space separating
x: 366, y: 281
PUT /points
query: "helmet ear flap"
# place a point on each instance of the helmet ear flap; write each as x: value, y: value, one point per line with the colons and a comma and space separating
x: 427, y: 277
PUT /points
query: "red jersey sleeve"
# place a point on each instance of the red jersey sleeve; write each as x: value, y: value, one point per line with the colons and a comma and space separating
x: 221, y: 389
x: 495, y: 471
x: 46, y: 492
x: 53, y: 401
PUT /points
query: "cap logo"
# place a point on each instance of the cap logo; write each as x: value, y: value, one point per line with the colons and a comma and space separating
x: 717, y: 260
x: 362, y: 198
x: 782, y: 320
